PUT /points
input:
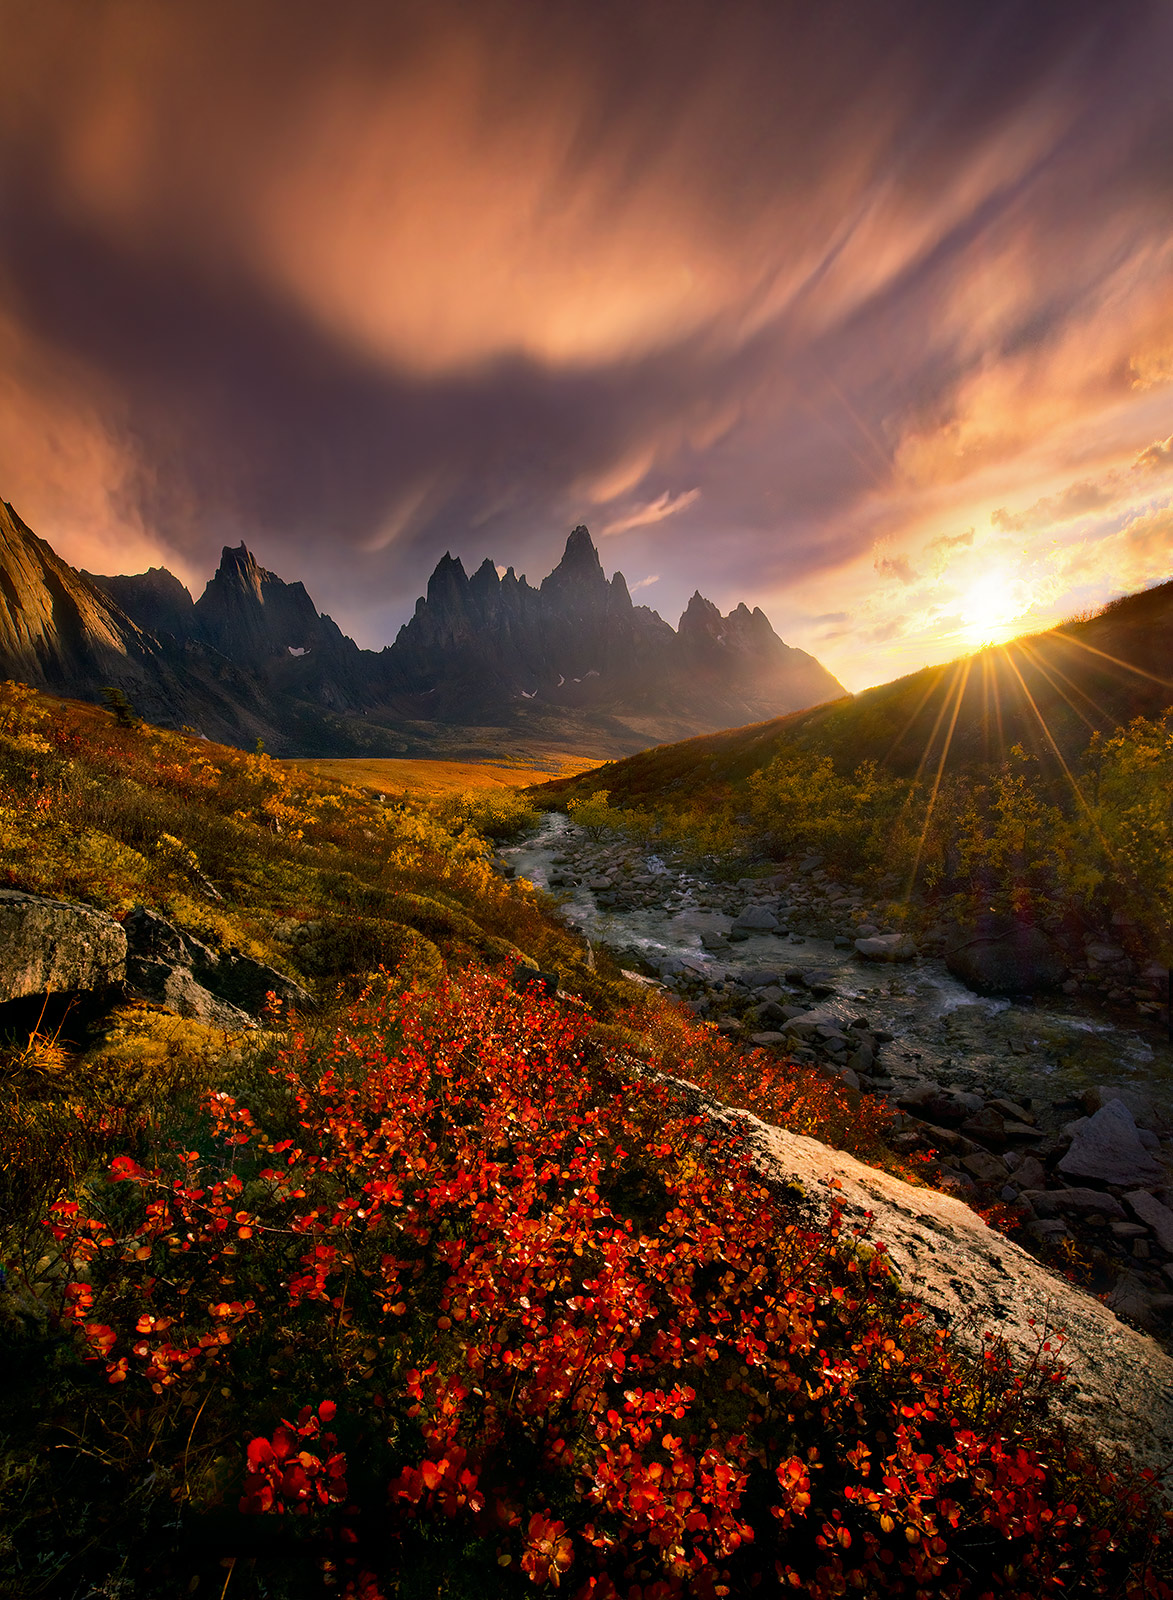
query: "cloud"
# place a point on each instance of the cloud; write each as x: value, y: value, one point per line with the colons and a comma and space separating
x: 894, y: 567
x: 665, y: 505
x: 952, y: 541
x: 1158, y: 455
x: 450, y: 276
x: 1077, y: 500
x: 645, y: 583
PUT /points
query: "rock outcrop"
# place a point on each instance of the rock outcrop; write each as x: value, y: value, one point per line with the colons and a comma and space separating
x: 52, y: 947
x: 177, y: 970
x: 1119, y: 1387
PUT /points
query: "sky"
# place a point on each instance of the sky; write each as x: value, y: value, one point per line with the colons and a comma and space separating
x: 860, y: 311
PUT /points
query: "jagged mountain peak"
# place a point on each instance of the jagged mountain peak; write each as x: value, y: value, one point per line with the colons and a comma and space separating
x: 580, y: 562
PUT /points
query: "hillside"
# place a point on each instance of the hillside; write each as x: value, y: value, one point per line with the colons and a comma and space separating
x: 344, y: 1256
x: 1047, y: 693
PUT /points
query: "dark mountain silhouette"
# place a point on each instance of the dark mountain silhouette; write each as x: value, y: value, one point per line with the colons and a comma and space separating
x: 572, y: 660
x: 579, y: 642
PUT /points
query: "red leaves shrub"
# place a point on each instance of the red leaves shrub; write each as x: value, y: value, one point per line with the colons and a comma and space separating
x: 283, y: 1477
x: 567, y: 1324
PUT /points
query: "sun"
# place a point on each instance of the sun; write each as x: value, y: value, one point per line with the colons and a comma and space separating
x: 990, y: 607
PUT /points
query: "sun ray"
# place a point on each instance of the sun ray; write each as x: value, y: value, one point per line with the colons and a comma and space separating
x: 934, y: 683
x: 1044, y: 671
x: 1051, y: 672
x: 1166, y: 683
x: 962, y: 680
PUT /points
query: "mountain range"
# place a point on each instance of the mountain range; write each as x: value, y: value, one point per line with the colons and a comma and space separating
x: 571, y: 662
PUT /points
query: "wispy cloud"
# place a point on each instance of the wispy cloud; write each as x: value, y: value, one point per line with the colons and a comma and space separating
x: 665, y: 505
x: 645, y: 583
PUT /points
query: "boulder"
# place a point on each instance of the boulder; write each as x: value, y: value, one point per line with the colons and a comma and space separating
x: 986, y: 1168
x: 1088, y: 1203
x: 886, y: 947
x: 1108, y: 1149
x: 1156, y: 1217
x: 755, y: 919
x: 54, y: 947
x: 1005, y: 957
x: 224, y: 988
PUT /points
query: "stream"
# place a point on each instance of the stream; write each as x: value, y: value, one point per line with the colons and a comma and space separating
x: 1044, y: 1052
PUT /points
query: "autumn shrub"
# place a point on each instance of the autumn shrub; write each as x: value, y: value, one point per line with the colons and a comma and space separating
x: 465, y: 1302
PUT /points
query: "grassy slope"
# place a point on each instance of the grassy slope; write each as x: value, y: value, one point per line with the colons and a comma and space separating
x: 1047, y: 693
x: 440, y: 777
x: 429, y: 1151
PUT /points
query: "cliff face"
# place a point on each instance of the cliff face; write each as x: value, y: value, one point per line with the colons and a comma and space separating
x: 55, y: 626
x: 253, y: 657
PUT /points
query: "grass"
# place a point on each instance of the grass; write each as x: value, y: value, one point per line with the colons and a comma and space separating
x: 438, y: 777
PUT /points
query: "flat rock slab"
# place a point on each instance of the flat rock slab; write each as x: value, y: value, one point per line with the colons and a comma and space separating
x: 1120, y: 1383
x: 54, y: 947
x: 1108, y: 1148
x: 886, y: 947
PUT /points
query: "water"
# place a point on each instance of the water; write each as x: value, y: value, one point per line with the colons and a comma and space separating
x: 1045, y: 1052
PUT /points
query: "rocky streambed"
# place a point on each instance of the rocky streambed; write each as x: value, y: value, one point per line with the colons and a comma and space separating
x: 1056, y: 1107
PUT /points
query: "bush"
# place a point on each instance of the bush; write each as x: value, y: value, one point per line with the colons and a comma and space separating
x: 469, y: 1306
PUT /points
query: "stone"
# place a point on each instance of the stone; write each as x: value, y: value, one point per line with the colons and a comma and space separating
x: 1138, y: 1101
x: 1046, y: 1228
x: 1131, y: 1298
x: 984, y: 1166
x: 987, y: 1125
x: 224, y: 988
x: 886, y: 947
x: 1011, y: 1110
x: 863, y: 1059
x: 55, y: 947
x: 1004, y: 957
x: 768, y: 1040
x: 1107, y: 1148
x: 1088, y: 1202
x: 1157, y: 1218
x: 755, y: 919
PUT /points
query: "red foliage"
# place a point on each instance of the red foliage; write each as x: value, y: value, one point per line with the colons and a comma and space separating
x: 564, y: 1319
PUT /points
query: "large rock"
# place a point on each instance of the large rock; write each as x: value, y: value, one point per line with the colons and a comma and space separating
x: 886, y: 947
x: 1108, y: 1149
x: 974, y: 1280
x: 1157, y: 1218
x: 53, y: 947
x: 755, y: 919
x: 1005, y: 957
x: 223, y: 988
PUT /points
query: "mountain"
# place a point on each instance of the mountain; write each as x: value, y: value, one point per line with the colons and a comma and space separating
x: 63, y: 631
x: 155, y: 600
x: 1046, y: 693
x: 578, y: 642
x: 488, y: 657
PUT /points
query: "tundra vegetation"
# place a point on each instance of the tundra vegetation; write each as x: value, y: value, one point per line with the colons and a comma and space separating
x: 1093, y: 842
x: 447, y: 1288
